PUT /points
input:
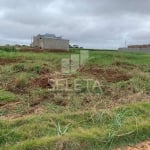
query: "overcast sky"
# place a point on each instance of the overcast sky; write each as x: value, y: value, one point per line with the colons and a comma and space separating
x: 88, y: 23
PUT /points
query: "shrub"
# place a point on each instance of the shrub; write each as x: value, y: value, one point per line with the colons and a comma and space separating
x: 19, y: 68
x: 36, y: 69
x: 8, y: 49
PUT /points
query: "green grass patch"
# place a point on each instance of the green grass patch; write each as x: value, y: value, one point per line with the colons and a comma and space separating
x: 6, y: 96
x: 79, y: 124
x: 90, y: 130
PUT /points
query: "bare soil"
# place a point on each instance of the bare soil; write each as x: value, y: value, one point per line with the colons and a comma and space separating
x: 42, y: 81
x: 5, y: 61
x: 110, y: 75
x: 142, y: 146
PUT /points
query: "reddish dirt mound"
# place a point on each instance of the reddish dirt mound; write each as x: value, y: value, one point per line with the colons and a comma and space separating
x: 141, y: 146
x: 42, y: 82
x: 5, y: 61
x: 110, y: 75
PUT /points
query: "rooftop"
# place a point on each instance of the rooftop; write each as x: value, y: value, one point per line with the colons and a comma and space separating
x: 47, y: 35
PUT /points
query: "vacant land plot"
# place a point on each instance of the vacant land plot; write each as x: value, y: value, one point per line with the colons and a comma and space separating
x: 34, y: 116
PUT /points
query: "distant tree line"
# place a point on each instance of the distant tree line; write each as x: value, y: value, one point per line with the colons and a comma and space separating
x: 75, y: 46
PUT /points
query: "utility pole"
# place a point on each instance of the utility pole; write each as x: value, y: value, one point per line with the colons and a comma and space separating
x: 125, y: 44
x: 31, y: 41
